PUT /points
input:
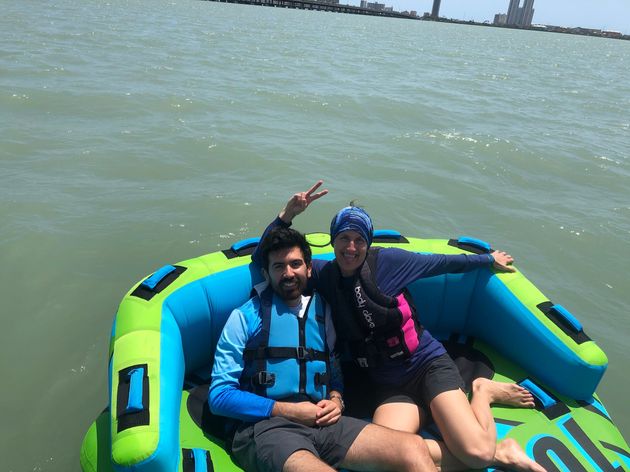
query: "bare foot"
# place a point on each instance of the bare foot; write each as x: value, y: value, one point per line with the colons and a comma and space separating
x: 510, y: 455
x: 504, y: 393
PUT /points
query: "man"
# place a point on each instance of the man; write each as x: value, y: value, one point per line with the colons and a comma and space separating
x: 274, y: 372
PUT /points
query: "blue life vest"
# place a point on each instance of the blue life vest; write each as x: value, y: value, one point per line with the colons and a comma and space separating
x: 289, y: 357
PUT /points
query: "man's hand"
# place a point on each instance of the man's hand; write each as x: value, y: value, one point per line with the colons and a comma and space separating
x: 300, y: 201
x: 503, y: 261
x: 302, y: 412
x: 329, y: 413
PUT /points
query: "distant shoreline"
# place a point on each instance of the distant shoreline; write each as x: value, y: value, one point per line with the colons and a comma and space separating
x: 331, y: 6
x: 544, y: 28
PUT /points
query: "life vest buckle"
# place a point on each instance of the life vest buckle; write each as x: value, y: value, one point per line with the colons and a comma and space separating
x: 302, y: 353
x: 264, y: 379
x: 322, y: 378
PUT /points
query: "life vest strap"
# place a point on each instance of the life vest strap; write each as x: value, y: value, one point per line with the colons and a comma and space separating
x: 299, y: 352
x: 268, y: 379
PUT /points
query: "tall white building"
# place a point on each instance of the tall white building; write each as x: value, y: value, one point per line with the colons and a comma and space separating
x: 520, y: 16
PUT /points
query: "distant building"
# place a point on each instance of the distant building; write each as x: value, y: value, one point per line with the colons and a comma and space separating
x: 520, y: 16
x: 500, y: 19
x: 388, y: 9
x: 376, y: 6
x: 413, y: 13
x: 612, y: 34
x: 363, y: 3
x: 528, y: 15
x: 435, y: 12
x: 586, y: 31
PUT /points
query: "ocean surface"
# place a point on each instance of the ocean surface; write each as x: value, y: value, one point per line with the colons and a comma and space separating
x: 137, y: 133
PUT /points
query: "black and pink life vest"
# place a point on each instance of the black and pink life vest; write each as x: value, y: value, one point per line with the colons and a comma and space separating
x: 373, y: 326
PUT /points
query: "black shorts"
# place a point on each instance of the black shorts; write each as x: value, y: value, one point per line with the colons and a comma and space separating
x: 438, y: 376
x: 266, y: 445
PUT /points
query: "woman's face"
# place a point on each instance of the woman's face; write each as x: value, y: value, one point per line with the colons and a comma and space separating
x: 350, y: 251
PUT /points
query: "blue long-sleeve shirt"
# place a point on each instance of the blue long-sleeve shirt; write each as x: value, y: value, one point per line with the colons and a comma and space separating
x: 396, y: 269
x: 226, y: 397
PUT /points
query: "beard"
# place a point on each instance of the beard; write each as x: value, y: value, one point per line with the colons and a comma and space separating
x: 290, y: 288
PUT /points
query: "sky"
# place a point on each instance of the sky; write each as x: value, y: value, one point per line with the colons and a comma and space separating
x: 602, y: 14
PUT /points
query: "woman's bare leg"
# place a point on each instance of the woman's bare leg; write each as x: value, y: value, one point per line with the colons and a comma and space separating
x: 468, y: 428
x: 400, y: 416
x: 409, y: 417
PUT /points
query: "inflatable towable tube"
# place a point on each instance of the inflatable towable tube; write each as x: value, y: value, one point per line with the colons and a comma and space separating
x: 494, y: 325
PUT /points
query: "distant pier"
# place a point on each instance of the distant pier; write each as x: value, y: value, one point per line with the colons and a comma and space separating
x: 334, y: 6
x: 321, y: 6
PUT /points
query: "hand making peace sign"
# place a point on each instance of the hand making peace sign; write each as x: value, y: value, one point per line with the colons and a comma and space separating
x: 300, y: 201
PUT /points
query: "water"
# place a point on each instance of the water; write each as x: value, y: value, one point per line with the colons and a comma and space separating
x: 139, y: 133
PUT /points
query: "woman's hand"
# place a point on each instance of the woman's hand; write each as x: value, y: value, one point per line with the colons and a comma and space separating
x: 503, y: 261
x: 300, y: 201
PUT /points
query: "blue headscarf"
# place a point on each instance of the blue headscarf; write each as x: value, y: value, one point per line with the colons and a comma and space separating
x: 352, y: 219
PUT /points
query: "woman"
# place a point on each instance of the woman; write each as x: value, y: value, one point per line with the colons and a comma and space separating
x: 376, y: 323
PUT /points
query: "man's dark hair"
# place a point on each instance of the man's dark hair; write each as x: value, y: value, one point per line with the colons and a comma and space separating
x: 284, y: 238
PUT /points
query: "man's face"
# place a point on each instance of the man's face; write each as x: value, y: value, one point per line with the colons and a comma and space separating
x: 288, y: 274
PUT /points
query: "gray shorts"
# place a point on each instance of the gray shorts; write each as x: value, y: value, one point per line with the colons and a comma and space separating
x: 440, y: 375
x: 266, y: 445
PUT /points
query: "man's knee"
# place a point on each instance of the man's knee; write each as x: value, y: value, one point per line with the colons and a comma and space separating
x: 414, y: 452
x: 406, y: 452
x: 304, y: 460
